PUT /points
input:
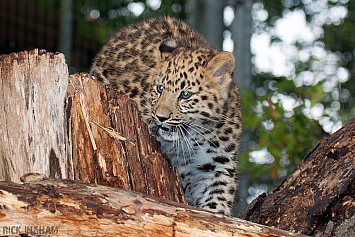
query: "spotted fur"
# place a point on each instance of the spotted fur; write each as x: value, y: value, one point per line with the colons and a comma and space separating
x: 187, y: 95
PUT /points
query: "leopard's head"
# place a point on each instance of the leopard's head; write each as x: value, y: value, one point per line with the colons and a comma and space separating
x: 190, y: 90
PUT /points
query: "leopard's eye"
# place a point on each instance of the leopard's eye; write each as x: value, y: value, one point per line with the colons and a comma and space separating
x: 160, y: 89
x: 185, y: 95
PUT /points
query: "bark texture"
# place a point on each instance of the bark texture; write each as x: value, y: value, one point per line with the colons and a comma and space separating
x: 73, y: 208
x: 110, y: 145
x: 319, y: 197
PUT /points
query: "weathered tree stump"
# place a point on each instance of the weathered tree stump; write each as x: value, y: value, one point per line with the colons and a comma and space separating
x: 319, y: 197
x: 33, y: 88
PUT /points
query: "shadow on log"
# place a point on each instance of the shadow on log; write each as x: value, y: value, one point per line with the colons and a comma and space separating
x: 319, y: 197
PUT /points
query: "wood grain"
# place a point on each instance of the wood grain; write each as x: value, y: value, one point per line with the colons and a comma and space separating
x: 75, y: 208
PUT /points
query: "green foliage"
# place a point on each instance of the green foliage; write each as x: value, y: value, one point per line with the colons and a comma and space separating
x: 339, y: 38
x: 281, y: 111
x: 287, y: 135
x: 116, y: 14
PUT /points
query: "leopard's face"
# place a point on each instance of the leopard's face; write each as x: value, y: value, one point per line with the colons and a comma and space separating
x: 187, y: 93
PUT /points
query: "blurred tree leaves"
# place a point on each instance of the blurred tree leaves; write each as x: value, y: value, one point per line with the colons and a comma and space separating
x: 104, y: 18
x: 289, y: 115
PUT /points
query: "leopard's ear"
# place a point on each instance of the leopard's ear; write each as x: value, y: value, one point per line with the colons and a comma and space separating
x: 168, y: 46
x: 221, y: 68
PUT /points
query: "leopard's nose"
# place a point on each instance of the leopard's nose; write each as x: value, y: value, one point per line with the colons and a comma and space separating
x: 161, y: 118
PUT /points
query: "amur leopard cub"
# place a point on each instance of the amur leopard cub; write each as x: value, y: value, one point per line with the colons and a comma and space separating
x: 188, y: 97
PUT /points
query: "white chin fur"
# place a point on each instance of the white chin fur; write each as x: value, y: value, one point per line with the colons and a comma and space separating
x: 167, y: 136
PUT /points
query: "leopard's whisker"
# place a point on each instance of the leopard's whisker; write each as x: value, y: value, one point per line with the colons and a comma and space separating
x: 183, y: 147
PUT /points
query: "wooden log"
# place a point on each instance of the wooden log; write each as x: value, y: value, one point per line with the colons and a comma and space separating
x: 73, y: 208
x: 33, y: 87
x: 319, y: 197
